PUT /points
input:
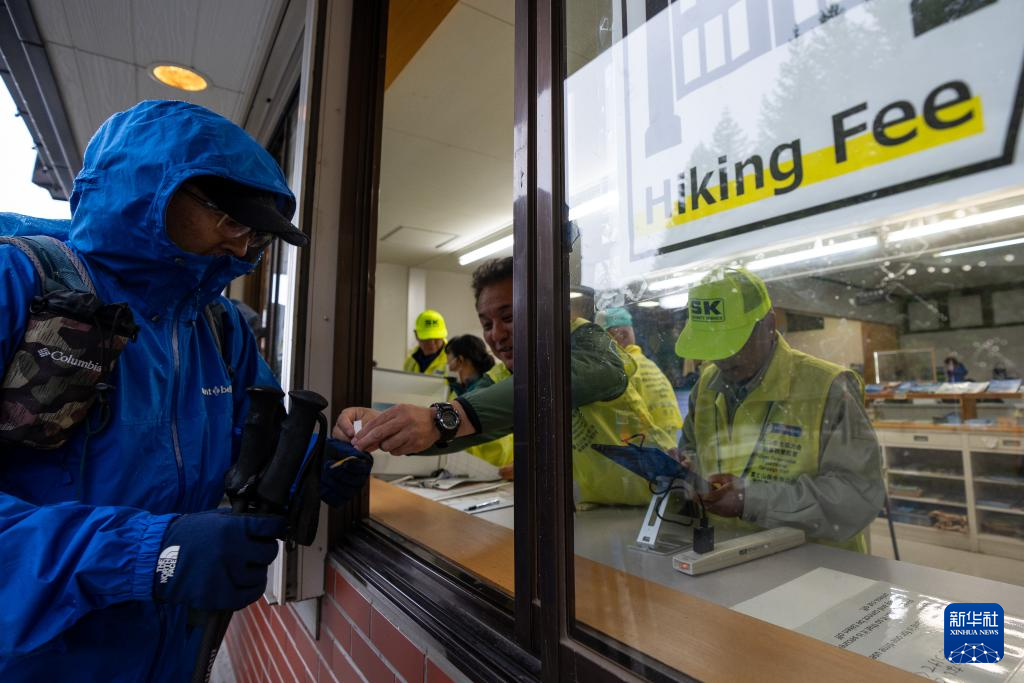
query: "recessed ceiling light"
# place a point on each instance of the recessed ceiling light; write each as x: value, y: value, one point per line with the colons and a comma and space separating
x: 648, y: 304
x: 931, y: 269
x: 1009, y: 257
x: 966, y: 267
x: 911, y: 271
x: 179, y: 77
x: 945, y: 271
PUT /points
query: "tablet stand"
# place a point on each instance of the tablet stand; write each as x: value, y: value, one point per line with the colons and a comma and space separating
x: 649, y: 539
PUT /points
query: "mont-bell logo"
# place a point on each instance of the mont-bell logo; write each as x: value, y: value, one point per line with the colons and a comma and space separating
x: 973, y: 632
x: 707, y: 310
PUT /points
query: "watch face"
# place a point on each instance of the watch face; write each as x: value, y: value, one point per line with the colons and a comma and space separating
x: 449, y: 419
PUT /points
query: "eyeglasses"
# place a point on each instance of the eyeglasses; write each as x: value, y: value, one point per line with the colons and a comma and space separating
x: 232, y: 228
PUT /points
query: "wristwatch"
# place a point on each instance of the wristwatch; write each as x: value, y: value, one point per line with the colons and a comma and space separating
x: 447, y: 421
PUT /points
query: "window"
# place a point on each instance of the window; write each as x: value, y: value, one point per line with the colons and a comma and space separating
x: 795, y: 234
x: 444, y: 209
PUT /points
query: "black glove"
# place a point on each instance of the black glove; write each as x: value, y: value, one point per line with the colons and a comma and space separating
x: 344, y: 473
x: 216, y: 560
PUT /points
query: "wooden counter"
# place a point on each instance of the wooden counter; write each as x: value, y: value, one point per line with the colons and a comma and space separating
x: 960, y: 428
x: 701, y: 638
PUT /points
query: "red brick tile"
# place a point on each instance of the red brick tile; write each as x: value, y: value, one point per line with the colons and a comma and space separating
x: 435, y: 675
x: 342, y: 668
x: 370, y: 665
x: 307, y: 650
x: 335, y: 623
x: 354, y: 605
x: 404, y: 656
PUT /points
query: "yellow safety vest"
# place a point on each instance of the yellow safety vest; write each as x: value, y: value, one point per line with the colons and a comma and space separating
x: 775, y: 433
x: 498, y: 452
x: 438, y: 366
x: 614, y: 422
x: 656, y: 391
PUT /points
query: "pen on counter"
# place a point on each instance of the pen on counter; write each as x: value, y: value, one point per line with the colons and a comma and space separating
x: 486, y: 503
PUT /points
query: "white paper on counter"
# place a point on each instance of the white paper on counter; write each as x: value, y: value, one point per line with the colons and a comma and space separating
x: 878, y: 620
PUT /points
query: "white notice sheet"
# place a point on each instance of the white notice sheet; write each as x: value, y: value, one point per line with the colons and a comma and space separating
x: 885, y: 622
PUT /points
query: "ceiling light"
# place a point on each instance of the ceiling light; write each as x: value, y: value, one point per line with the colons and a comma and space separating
x: 912, y: 271
x: 945, y: 271
x: 594, y: 205
x: 575, y: 295
x: 648, y: 304
x: 982, y: 264
x: 957, y: 223
x: 673, y: 282
x: 931, y: 269
x: 981, y: 247
x: 486, y: 250
x: 1008, y: 258
x: 179, y: 77
x: 674, y: 301
x: 966, y: 267
x: 818, y: 251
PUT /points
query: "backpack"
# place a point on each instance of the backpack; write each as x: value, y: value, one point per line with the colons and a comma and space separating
x: 71, y: 344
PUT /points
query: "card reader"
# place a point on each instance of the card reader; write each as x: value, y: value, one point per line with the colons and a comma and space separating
x: 739, y: 550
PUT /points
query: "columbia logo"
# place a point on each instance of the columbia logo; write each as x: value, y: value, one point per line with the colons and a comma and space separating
x: 68, y: 359
x: 167, y: 562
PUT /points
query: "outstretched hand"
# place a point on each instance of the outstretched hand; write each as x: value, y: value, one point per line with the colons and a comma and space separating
x: 345, y: 429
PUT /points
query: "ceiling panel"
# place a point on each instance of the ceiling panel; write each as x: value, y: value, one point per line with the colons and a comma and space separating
x: 458, y: 89
x: 64, y: 62
x: 166, y: 32
x: 446, y: 152
x: 109, y: 85
x: 499, y: 9
x: 231, y: 36
x: 51, y: 21
x: 102, y: 27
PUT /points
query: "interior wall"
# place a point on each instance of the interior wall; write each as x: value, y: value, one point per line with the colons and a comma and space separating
x: 979, y: 349
x: 390, y: 315
x: 451, y: 294
x: 841, y: 342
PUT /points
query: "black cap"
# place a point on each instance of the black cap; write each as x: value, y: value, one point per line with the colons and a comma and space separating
x: 254, y: 208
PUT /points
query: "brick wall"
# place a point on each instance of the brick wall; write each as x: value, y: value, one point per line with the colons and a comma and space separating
x: 358, y: 642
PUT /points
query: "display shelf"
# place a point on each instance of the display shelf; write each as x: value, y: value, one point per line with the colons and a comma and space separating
x: 968, y: 402
x: 998, y: 482
x: 926, y: 474
x: 925, y: 534
x: 924, y: 499
x: 979, y: 463
x: 1005, y: 511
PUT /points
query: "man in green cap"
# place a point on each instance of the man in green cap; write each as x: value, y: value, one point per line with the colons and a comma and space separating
x: 649, y: 381
x: 781, y: 436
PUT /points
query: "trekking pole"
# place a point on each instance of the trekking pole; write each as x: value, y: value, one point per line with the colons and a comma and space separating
x: 271, y: 490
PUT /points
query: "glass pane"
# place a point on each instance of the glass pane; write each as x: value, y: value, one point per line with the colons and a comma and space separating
x: 795, y: 296
x: 445, y: 212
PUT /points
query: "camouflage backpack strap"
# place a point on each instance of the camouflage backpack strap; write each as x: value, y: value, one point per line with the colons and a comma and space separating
x: 57, y: 265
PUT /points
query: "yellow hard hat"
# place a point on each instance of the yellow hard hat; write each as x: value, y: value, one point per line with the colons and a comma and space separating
x: 430, y: 325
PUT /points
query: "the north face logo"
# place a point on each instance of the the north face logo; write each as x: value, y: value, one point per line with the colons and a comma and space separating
x: 167, y: 562
x: 707, y: 310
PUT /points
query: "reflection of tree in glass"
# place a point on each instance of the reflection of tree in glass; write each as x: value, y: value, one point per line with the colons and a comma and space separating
x: 727, y: 140
x: 823, y: 66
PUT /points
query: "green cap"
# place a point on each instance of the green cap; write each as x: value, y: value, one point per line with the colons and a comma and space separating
x: 723, y: 308
x: 430, y: 325
x: 617, y: 316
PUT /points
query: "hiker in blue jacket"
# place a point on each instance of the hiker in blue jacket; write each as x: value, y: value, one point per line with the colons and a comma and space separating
x: 108, y: 541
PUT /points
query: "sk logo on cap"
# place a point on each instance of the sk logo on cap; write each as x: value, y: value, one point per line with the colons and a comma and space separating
x: 707, y: 310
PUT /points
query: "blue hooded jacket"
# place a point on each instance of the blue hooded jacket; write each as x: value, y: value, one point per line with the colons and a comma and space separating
x: 77, y: 575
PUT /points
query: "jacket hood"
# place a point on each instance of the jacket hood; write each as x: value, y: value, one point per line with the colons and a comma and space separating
x: 133, y: 164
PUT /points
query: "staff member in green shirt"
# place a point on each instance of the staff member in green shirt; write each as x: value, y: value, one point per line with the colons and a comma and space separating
x: 782, y: 437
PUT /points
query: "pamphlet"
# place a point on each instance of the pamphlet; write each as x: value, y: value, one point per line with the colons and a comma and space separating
x: 1004, y: 386
x: 878, y: 620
